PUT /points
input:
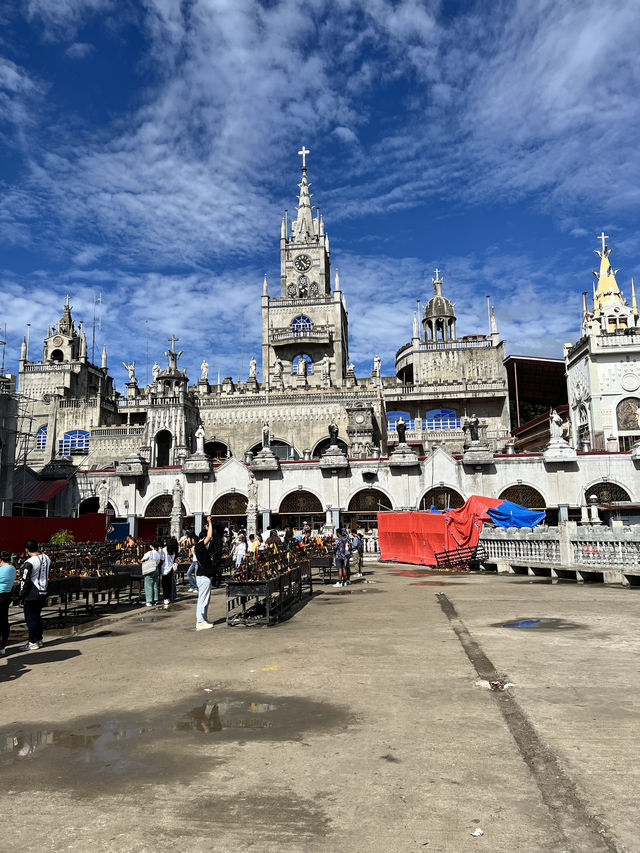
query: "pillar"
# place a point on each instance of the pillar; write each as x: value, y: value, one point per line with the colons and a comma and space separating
x: 198, y: 522
x: 266, y: 520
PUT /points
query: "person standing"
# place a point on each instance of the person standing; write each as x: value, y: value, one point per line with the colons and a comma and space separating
x: 7, y: 579
x: 239, y: 550
x: 341, y: 558
x: 33, y: 593
x: 169, y: 554
x: 151, y: 579
x: 191, y: 574
x: 203, y: 576
x: 356, y: 555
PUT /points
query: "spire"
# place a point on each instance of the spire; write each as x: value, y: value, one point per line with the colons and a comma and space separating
x: 336, y: 279
x: 23, y: 350
x: 83, y: 345
x: 607, y: 290
x: 66, y: 323
x: 283, y: 230
x: 494, y: 322
x: 104, y: 357
x: 416, y: 332
x: 265, y: 286
x: 634, y: 304
x: 302, y: 229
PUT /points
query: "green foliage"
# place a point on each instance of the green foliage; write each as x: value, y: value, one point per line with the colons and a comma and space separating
x: 62, y: 537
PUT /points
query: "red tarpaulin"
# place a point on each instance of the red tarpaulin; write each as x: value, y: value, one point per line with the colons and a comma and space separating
x: 415, y: 537
x: 411, y: 537
x: 15, y: 530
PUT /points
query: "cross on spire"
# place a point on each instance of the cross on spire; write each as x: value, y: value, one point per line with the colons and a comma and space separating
x: 67, y: 301
x: 172, y: 340
x: 303, y: 153
x: 603, y: 237
x: 437, y: 274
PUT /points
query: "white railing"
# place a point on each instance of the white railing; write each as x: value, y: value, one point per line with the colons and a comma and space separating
x: 110, y: 432
x: 91, y: 403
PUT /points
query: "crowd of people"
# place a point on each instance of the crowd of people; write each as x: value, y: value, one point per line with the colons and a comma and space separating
x: 205, y: 553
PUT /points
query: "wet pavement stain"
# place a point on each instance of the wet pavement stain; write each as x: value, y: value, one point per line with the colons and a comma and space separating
x: 438, y: 583
x: 132, y: 748
x: 540, y: 624
x: 352, y: 591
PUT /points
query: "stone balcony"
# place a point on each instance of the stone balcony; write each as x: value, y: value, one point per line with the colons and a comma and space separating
x: 288, y: 335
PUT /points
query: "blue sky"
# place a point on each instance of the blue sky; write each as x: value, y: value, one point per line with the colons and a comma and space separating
x: 149, y: 148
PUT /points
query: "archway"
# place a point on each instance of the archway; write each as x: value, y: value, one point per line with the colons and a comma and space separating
x: 441, y: 498
x: 216, y: 450
x: 164, y: 442
x: 606, y: 492
x: 299, y: 508
x: 324, y: 443
x: 89, y: 505
x: 231, y: 510
x: 282, y: 449
x: 363, y: 509
x: 525, y: 496
x: 157, y: 518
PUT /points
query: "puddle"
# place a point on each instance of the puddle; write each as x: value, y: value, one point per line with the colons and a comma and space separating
x: 438, y: 583
x: 353, y: 591
x: 167, y: 742
x: 540, y: 624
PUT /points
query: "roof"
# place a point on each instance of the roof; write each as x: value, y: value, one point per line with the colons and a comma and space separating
x: 539, y: 379
x: 37, y: 491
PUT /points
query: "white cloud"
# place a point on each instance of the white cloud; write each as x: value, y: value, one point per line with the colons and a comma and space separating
x: 79, y: 50
x: 61, y: 19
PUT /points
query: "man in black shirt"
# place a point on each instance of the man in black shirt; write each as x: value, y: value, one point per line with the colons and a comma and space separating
x: 204, y: 572
x: 33, y: 592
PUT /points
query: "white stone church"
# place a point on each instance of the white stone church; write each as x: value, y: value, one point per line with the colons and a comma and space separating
x: 261, y: 453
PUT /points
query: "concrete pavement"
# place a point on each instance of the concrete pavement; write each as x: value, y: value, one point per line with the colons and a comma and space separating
x: 365, y: 723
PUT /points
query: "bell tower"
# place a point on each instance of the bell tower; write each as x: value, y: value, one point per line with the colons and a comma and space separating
x: 305, y: 329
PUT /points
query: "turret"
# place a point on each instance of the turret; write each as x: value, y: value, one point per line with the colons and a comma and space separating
x: 103, y: 365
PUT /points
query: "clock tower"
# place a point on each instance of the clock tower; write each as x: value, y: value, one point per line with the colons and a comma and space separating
x: 308, y: 322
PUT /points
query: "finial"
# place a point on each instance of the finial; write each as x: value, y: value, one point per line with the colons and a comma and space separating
x: 494, y: 322
x: 337, y: 280
x: 416, y: 333
x: 173, y: 341
x: 634, y: 304
x: 67, y: 301
x: 603, y: 237
x: 104, y: 357
x: 303, y: 153
x: 265, y: 286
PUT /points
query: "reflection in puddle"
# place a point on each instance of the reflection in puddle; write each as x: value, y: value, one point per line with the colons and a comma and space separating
x: 544, y: 624
x: 214, y: 717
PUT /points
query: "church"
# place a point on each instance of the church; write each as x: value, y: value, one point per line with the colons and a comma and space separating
x: 312, y: 442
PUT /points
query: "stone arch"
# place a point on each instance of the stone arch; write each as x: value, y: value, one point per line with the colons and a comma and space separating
x: 369, y: 500
x: 281, y: 448
x: 300, y: 501
x: 441, y: 497
x: 524, y: 495
x: 229, y: 505
x: 217, y: 450
x: 323, y: 444
x: 607, y: 491
x: 160, y: 507
x: 92, y: 504
x: 627, y: 414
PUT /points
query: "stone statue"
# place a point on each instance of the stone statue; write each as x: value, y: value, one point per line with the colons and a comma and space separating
x: 401, y: 429
x: 155, y: 371
x: 555, y: 425
x: 204, y: 371
x: 200, y: 439
x: 103, y: 496
x: 333, y: 434
x: 302, y: 367
x: 377, y: 363
x: 131, y: 370
x: 325, y: 368
x: 252, y: 490
x: 277, y: 367
x: 351, y: 368
x: 177, y: 497
x: 253, y: 368
x: 173, y: 357
x: 266, y: 435
x: 472, y: 425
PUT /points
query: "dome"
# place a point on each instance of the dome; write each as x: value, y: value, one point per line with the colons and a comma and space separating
x: 438, y: 306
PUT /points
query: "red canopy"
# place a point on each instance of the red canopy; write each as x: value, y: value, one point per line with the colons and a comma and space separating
x: 415, y: 537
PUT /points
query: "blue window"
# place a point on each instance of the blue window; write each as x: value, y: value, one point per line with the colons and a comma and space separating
x: 303, y: 357
x: 394, y: 417
x: 301, y: 326
x: 438, y: 419
x: 41, y: 438
x: 74, y: 441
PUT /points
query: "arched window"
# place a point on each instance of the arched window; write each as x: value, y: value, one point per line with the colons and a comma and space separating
x: 627, y: 414
x: 229, y: 505
x: 279, y: 448
x: 74, y: 441
x: 606, y: 493
x: 164, y: 442
x: 301, y: 326
x: 57, y: 355
x: 41, y: 438
x: 296, y: 360
x: 438, y: 419
x: 161, y: 507
x: 441, y: 498
x: 217, y: 450
x: 525, y: 496
x: 394, y: 417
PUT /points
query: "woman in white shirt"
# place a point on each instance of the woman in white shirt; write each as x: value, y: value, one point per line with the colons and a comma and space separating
x: 170, y: 555
x: 151, y: 579
x: 239, y: 550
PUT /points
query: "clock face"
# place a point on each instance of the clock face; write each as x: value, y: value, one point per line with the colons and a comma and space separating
x: 302, y: 263
x: 57, y: 341
x: 359, y: 419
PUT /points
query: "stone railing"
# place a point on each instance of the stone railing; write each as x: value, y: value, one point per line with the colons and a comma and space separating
x: 90, y: 403
x: 568, y: 550
x: 443, y: 389
x: 110, y: 432
x: 316, y: 333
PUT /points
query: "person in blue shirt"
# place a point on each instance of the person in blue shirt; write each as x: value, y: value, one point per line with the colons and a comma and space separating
x: 7, y: 580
